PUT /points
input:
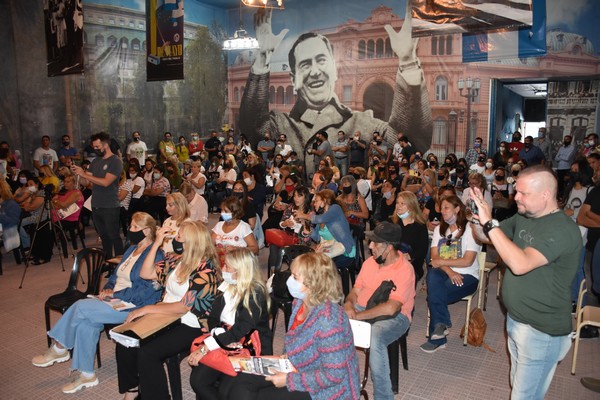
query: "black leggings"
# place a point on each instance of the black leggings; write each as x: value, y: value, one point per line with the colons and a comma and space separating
x: 203, y: 379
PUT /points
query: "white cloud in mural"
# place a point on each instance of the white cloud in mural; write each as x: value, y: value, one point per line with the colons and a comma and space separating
x: 141, y: 4
x: 566, y: 12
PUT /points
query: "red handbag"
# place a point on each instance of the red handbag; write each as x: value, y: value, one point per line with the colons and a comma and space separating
x: 280, y: 238
x: 218, y: 359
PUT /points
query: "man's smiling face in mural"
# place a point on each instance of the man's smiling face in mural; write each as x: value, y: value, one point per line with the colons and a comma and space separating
x: 314, y: 72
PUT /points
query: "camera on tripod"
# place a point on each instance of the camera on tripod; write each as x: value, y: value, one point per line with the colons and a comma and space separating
x: 48, y: 191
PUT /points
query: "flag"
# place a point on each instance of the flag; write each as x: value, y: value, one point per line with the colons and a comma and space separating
x: 521, y: 43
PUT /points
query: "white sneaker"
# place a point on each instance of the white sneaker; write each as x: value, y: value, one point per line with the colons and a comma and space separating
x: 79, y: 383
x: 50, y: 357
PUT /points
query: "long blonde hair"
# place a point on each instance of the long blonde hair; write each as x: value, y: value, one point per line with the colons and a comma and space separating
x: 412, y: 203
x: 320, y: 276
x: 198, y: 248
x: 182, y: 206
x: 249, y: 280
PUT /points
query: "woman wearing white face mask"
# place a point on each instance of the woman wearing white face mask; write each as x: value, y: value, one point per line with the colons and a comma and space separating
x: 240, y: 308
x: 454, y: 270
x: 232, y: 232
x: 257, y: 192
x: 489, y: 171
x: 157, y: 193
x: 387, y: 203
x: 414, y: 230
x: 318, y: 342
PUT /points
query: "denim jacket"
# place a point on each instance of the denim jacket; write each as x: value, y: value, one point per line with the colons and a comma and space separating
x: 142, y: 291
x: 336, y: 222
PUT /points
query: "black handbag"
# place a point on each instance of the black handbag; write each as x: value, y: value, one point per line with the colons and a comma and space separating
x: 381, y: 295
x: 279, y: 285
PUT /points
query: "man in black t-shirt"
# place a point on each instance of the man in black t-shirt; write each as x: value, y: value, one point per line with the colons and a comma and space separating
x: 212, y: 145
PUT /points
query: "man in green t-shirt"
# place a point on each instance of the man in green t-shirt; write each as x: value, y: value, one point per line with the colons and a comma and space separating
x: 540, y: 246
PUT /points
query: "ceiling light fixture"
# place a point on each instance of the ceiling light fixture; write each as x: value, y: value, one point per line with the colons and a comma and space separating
x: 278, y: 4
x: 240, y: 40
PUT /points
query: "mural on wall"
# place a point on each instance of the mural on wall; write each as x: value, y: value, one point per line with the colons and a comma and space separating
x: 113, y: 93
x: 164, y: 38
x: 63, y: 23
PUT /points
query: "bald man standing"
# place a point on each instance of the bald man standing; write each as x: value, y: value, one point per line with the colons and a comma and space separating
x: 540, y: 246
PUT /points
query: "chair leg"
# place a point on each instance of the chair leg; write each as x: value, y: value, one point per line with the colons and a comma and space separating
x: 394, y: 364
x: 575, y: 350
x: 174, y: 372
x: 467, y: 321
x: 98, y: 354
x: 404, y: 351
x: 47, y: 315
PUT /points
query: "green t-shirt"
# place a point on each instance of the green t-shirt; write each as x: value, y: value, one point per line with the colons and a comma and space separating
x: 542, y: 297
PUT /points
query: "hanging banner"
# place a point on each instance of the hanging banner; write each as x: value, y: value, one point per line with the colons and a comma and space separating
x: 164, y: 38
x: 469, y: 16
x: 64, y: 36
x: 522, y: 43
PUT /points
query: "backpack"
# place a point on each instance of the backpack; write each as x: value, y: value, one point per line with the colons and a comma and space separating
x: 381, y: 295
x: 477, y: 329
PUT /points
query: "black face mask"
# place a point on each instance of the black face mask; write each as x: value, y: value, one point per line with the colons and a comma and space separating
x: 382, y: 168
x: 527, y: 145
x: 575, y: 177
x: 66, y: 143
x: 135, y: 237
x: 239, y: 195
x: 499, y: 178
x: 136, y: 139
x: 356, y: 176
x: 567, y: 142
x: 432, y: 164
x: 392, y: 172
x: 378, y: 143
x: 440, y: 178
x: 347, y: 189
x: 380, y: 260
x: 515, y: 173
x: 99, y: 152
x: 177, y: 246
x: 320, y: 210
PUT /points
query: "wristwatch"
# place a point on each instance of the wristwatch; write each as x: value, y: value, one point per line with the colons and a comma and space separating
x: 491, y: 224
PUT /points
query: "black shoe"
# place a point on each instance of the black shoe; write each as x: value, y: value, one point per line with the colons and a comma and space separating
x: 591, y: 383
x: 40, y: 261
x: 588, y: 332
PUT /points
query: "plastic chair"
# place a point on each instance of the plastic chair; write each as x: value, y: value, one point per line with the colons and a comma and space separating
x: 288, y: 253
x: 174, y: 373
x: 588, y: 315
x: 483, y: 289
x: 92, y: 260
x: 481, y: 260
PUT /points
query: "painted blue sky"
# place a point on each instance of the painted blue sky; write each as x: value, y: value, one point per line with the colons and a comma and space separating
x: 578, y: 16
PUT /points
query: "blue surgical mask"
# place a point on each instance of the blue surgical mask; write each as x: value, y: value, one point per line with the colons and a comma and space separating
x: 225, y: 216
x: 228, y: 277
x: 403, y: 215
x: 295, y: 288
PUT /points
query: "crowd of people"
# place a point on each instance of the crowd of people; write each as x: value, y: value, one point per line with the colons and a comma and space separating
x: 421, y: 217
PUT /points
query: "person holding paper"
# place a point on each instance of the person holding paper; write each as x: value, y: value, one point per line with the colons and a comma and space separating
x: 190, y: 277
x: 243, y: 305
x: 319, y: 342
x: 80, y: 327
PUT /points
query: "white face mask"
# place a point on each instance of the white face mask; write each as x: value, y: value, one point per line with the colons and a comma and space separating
x: 488, y: 165
x: 32, y: 189
x: 132, y: 176
x: 228, y: 277
x: 156, y: 175
x: 248, y: 181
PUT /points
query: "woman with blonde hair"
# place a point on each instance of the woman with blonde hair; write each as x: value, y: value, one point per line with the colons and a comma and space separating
x: 190, y: 277
x: 242, y: 307
x: 49, y: 178
x: 80, y: 327
x: 179, y: 212
x: 414, y: 230
x: 319, y: 342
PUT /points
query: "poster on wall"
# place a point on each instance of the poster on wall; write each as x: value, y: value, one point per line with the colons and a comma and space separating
x: 164, y: 37
x: 572, y: 110
x: 469, y: 16
x: 63, y: 22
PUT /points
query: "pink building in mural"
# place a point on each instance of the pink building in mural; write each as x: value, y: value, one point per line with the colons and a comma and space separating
x: 367, y: 68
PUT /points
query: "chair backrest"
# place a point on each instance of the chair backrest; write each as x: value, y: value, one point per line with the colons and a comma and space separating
x: 288, y: 253
x: 361, y: 331
x: 92, y: 259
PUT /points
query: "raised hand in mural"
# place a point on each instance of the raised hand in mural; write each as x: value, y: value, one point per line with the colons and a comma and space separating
x: 267, y: 41
x: 402, y: 42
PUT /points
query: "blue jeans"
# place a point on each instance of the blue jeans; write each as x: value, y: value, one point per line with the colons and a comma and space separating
x: 342, y: 164
x: 441, y: 292
x: 80, y: 327
x: 533, y: 359
x: 382, y: 334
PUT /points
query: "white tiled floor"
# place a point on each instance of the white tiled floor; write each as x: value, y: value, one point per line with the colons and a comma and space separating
x: 456, y: 372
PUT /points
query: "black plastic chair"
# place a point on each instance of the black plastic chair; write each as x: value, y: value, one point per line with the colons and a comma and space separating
x: 288, y: 253
x: 92, y: 260
x: 174, y: 373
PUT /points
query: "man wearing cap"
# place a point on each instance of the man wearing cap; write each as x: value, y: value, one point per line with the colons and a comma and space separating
x: 388, y: 263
